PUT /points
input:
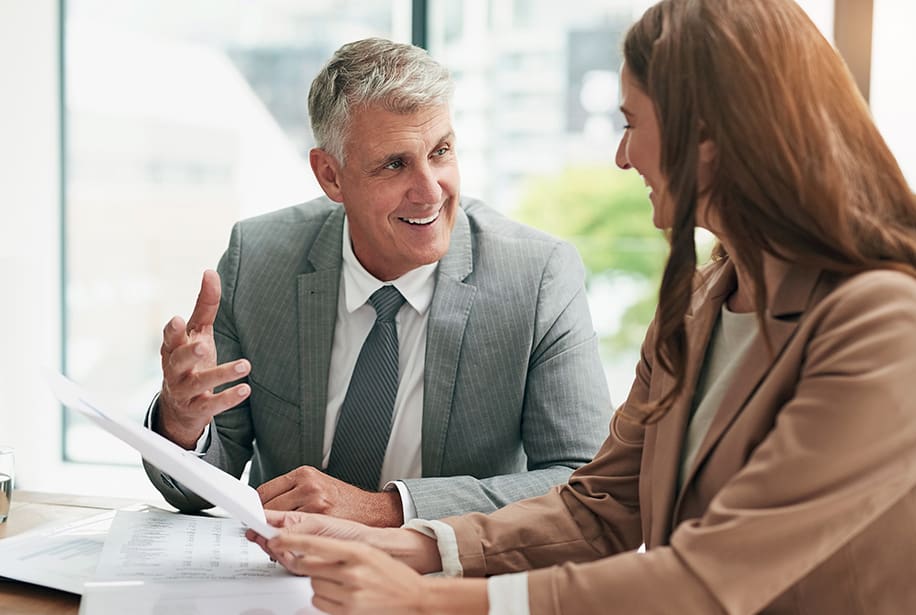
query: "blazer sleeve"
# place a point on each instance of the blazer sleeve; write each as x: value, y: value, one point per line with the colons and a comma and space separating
x: 231, y: 434
x: 799, y: 499
x: 566, y: 402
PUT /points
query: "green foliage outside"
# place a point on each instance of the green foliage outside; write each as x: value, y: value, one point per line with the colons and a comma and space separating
x: 606, y: 214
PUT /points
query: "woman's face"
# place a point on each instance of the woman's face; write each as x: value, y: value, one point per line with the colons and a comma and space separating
x: 640, y: 147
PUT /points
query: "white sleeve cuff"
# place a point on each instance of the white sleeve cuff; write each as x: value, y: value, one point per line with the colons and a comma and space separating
x: 508, y: 594
x: 203, y: 442
x: 446, y: 541
x: 407, y: 506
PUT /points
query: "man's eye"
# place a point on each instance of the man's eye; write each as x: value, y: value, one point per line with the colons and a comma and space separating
x: 442, y: 151
x: 394, y: 164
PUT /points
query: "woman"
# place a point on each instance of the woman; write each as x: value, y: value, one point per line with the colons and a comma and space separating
x: 766, y: 454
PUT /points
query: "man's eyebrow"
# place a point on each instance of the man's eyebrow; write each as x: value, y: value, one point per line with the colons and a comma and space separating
x: 449, y: 136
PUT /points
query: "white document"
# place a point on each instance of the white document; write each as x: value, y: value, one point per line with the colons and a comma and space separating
x: 156, y: 563
x: 286, y: 595
x: 62, y: 556
x: 219, y: 488
x: 164, y: 546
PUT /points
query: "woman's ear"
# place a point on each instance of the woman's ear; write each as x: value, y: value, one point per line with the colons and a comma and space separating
x: 707, y: 152
x: 707, y: 148
x: 327, y: 172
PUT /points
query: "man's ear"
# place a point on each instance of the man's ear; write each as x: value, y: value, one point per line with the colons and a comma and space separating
x: 327, y: 172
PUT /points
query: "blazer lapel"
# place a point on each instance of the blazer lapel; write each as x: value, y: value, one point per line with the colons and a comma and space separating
x: 318, y: 292
x: 448, y: 317
x: 699, y: 322
x: 790, y: 299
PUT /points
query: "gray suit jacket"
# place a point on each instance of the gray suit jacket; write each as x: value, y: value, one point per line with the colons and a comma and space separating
x: 514, y: 394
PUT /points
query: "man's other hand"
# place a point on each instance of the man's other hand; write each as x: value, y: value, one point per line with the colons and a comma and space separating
x: 309, y: 489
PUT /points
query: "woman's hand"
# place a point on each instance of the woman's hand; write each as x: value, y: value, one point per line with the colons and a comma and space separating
x: 350, y: 577
x: 359, y: 569
x: 407, y: 546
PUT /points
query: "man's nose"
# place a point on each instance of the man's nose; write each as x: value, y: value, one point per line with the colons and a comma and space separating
x: 425, y: 186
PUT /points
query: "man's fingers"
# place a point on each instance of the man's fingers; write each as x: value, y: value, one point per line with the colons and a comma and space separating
x: 187, y: 381
x: 207, y: 302
x: 174, y: 334
x: 210, y: 404
x: 273, y: 489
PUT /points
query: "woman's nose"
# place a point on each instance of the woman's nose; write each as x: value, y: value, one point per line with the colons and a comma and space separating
x: 621, y: 158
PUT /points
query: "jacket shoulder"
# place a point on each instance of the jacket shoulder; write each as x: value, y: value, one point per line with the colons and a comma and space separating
x: 488, y: 225
x: 310, y: 213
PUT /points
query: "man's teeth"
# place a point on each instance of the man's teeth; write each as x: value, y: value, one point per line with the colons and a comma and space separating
x: 421, y: 220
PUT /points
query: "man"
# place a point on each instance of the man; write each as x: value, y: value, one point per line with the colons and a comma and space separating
x: 482, y: 388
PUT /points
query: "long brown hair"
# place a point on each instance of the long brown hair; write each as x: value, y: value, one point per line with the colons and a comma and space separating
x: 801, y: 171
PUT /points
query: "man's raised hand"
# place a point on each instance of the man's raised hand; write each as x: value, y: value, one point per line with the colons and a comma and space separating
x: 190, y: 373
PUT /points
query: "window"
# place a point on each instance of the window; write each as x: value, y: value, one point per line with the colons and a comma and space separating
x: 536, y: 115
x: 185, y: 116
x: 893, y: 89
x: 182, y: 117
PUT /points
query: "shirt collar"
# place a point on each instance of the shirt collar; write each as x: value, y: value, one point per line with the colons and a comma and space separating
x: 417, y: 285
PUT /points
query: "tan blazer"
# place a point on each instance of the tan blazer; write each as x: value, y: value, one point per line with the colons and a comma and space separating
x: 800, y: 500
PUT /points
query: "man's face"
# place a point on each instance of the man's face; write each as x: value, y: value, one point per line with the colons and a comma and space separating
x: 399, y: 186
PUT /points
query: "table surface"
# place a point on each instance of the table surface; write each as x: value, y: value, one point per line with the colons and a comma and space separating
x: 31, y: 509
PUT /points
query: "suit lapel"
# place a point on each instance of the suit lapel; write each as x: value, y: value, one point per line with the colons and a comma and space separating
x: 699, y: 322
x: 790, y: 299
x: 448, y: 317
x: 318, y: 292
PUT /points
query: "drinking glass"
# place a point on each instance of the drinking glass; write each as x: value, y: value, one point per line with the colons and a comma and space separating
x: 6, y: 481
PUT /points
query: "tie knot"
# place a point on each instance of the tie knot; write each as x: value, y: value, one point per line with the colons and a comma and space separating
x: 386, y: 301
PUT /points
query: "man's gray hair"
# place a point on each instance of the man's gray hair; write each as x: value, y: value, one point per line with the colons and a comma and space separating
x: 374, y: 71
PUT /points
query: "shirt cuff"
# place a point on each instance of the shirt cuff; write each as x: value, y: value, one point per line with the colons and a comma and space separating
x: 445, y: 540
x: 407, y: 505
x: 508, y: 594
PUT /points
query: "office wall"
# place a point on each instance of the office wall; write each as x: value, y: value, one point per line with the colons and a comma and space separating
x: 29, y: 237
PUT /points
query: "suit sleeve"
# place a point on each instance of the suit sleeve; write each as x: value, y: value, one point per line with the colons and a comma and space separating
x: 800, y: 497
x: 566, y: 402
x: 231, y: 432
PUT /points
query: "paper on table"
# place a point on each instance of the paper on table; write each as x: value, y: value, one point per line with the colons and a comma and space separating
x: 62, y: 556
x: 287, y: 595
x: 163, y: 546
x: 207, y: 481
x: 157, y: 562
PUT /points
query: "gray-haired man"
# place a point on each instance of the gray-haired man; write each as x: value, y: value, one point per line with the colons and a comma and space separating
x: 497, y: 391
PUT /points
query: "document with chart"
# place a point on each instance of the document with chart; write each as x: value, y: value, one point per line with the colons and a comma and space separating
x: 62, y: 555
x: 156, y: 562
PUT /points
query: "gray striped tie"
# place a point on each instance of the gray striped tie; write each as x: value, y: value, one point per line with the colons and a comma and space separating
x: 364, y: 424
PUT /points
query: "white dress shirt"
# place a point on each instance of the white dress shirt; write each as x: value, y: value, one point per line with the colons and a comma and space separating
x: 355, y: 318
